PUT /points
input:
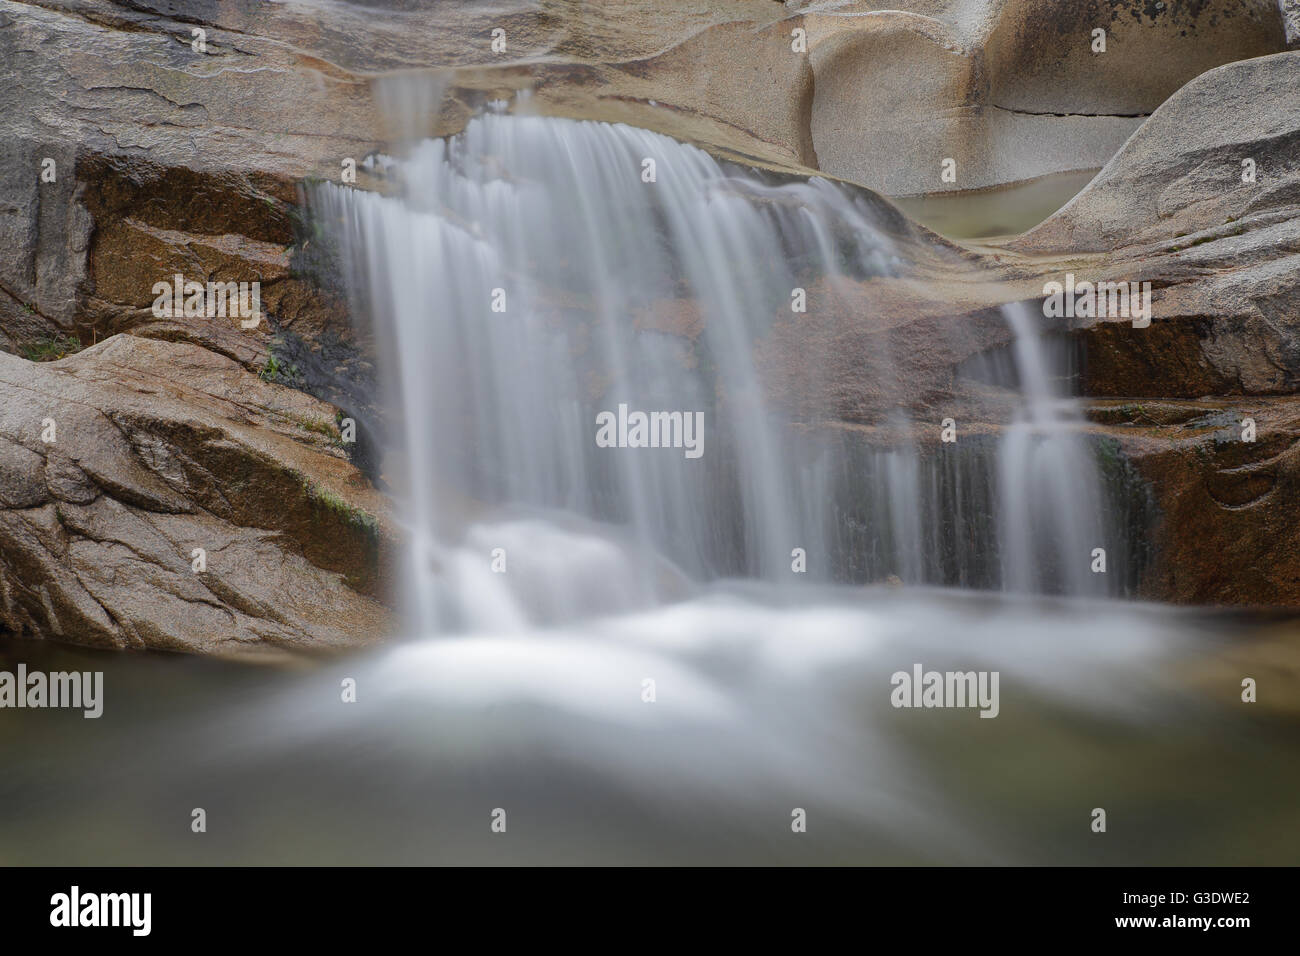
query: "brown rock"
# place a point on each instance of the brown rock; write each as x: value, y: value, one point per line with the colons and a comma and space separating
x: 162, y: 448
x: 1228, y: 513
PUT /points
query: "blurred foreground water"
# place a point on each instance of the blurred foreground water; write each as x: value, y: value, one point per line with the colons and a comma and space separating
x: 760, y: 709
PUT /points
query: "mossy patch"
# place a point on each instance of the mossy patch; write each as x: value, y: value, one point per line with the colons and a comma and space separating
x: 51, y: 348
x: 316, y: 426
x: 356, y: 517
x: 280, y: 372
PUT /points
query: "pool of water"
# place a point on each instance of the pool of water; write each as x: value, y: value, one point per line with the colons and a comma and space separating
x: 760, y: 708
x: 1001, y: 211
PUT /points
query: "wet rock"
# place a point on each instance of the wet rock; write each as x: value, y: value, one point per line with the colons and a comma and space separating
x: 176, y: 159
x: 1226, y: 506
x: 159, y: 449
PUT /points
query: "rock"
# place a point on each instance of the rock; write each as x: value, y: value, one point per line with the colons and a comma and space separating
x: 897, y: 94
x: 163, y: 448
x: 867, y: 349
x: 1227, y: 508
x: 1009, y: 91
x: 290, y: 90
x: 1184, y: 171
x: 1227, y: 322
x: 1041, y: 57
x: 1223, y: 260
x: 173, y: 158
x: 1223, y: 344
x: 894, y: 97
x: 164, y: 159
x: 1291, y: 18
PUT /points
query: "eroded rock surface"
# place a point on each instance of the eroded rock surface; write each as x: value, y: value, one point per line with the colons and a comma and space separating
x: 119, y: 464
x: 1223, y: 148
x: 1226, y: 532
x: 175, y: 156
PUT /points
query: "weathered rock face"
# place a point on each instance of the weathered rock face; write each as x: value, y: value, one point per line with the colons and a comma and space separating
x: 1227, y: 524
x: 162, y: 159
x: 1222, y: 148
x: 877, y: 346
x: 119, y: 463
x: 1291, y: 19
x: 175, y: 152
x: 1042, y: 57
x: 1227, y: 323
x: 1222, y: 255
x: 1223, y: 346
x: 1008, y: 91
x: 174, y: 156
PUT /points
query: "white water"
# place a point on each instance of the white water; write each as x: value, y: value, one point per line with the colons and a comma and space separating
x: 525, y: 690
x: 602, y: 273
x: 772, y: 691
x: 761, y: 707
x: 1050, y: 483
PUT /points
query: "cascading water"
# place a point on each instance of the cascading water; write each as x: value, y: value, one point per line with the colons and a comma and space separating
x: 611, y: 691
x: 1050, y: 484
x: 537, y: 272
x: 590, y: 268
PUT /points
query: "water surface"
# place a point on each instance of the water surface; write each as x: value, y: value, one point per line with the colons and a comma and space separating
x: 760, y: 708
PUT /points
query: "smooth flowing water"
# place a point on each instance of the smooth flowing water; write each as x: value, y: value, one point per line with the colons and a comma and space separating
x: 761, y: 708
x: 529, y: 279
x: 1050, y: 484
x: 612, y: 645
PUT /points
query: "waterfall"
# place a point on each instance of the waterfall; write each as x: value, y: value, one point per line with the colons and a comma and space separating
x: 531, y: 275
x: 1048, y: 477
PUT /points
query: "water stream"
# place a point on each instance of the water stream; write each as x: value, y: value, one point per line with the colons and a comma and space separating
x: 529, y: 280
x: 549, y: 579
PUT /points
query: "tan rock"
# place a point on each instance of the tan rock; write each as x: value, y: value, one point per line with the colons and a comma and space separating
x: 163, y: 448
x: 1184, y: 171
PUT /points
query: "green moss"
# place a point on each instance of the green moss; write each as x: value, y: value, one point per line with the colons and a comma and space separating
x: 318, y: 427
x: 279, y: 372
x: 51, y: 348
x: 361, y: 520
x: 1108, y: 454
